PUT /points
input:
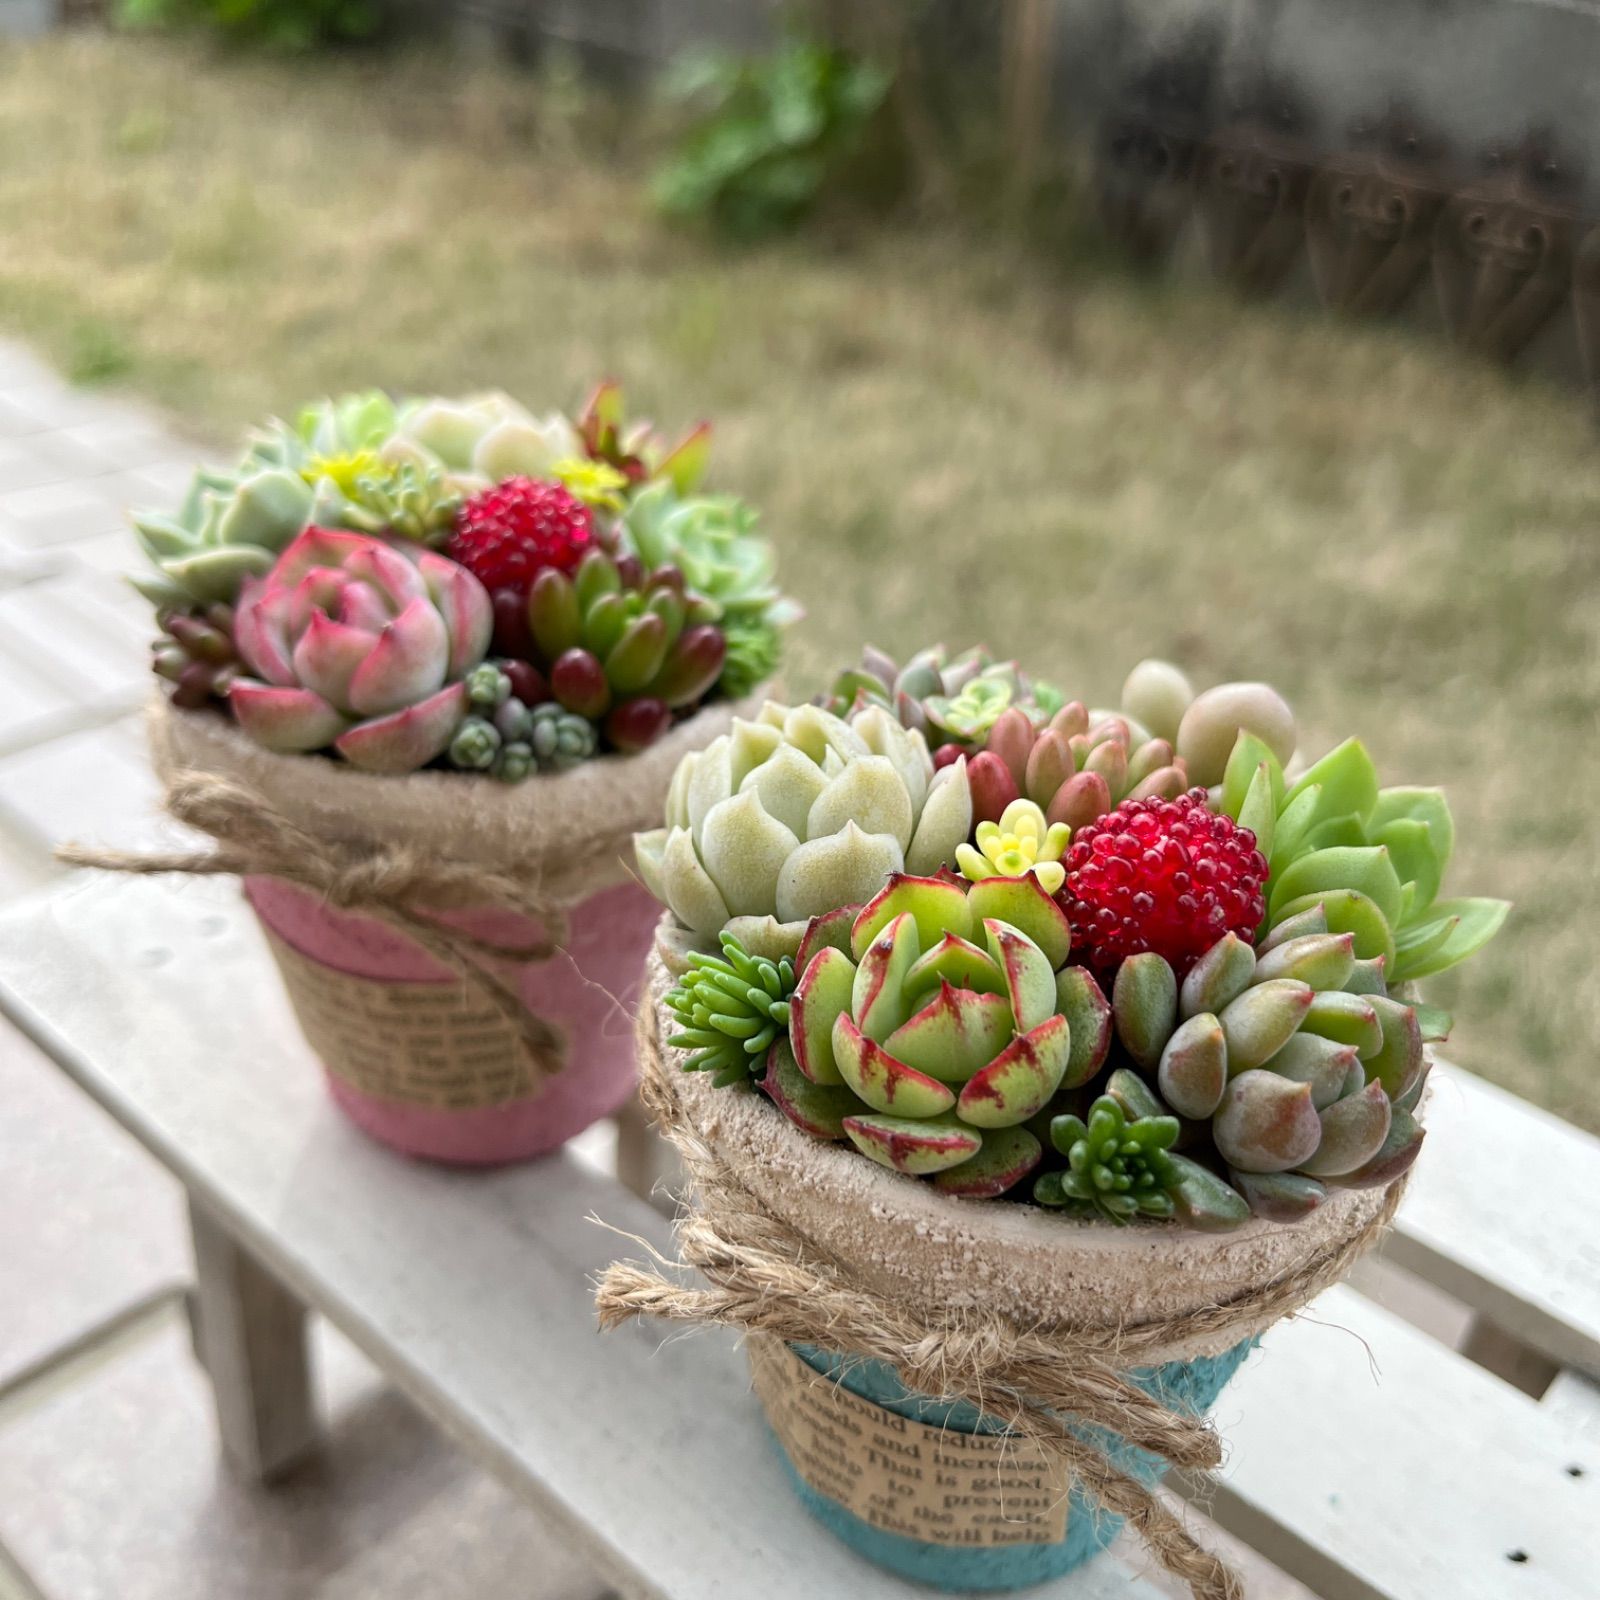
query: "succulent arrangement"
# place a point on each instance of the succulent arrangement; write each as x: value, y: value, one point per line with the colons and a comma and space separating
x: 460, y: 583
x: 1131, y: 965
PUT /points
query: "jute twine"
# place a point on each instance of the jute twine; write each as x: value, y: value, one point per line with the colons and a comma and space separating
x: 393, y: 884
x: 767, y: 1277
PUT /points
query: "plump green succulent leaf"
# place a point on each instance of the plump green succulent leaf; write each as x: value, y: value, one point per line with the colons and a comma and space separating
x: 1030, y: 980
x: 1279, y: 1196
x: 878, y: 1000
x: 1262, y: 1020
x: 1346, y: 1019
x: 1117, y: 1165
x: 1266, y: 1123
x: 1203, y: 1200
x: 1258, y: 812
x: 1349, y: 911
x: 819, y: 1109
x: 917, y: 1148
x: 886, y: 1084
x: 1144, y: 1007
x: 1020, y: 1080
x: 1080, y: 999
x: 1314, y: 919
x: 829, y: 931
x: 1368, y: 869
x: 1417, y: 944
x: 1420, y: 805
x: 1134, y: 1095
x: 1323, y: 960
x: 1248, y: 757
x: 936, y: 906
x: 1294, y: 821
x: 1410, y: 844
x: 820, y: 998
x: 1479, y: 921
x: 954, y: 1034
x: 1398, y: 1152
x: 1348, y: 781
x: 1344, y: 832
x: 1435, y: 1023
x: 1221, y: 975
x: 1007, y: 1157
x: 958, y: 962
x: 1023, y: 904
x: 1353, y: 1132
x: 1397, y: 1065
x: 1194, y: 1067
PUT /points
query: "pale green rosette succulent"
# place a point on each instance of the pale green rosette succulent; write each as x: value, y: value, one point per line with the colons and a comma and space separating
x: 712, y: 540
x: 794, y: 815
x: 231, y: 525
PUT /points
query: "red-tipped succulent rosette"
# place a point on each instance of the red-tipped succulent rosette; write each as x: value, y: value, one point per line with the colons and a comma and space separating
x: 360, y: 644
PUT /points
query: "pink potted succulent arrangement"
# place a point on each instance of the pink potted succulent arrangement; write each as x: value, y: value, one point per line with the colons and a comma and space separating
x: 428, y: 664
x: 1029, y: 1061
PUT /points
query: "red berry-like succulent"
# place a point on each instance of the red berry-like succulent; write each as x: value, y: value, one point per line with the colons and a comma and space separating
x: 507, y: 535
x: 1165, y: 875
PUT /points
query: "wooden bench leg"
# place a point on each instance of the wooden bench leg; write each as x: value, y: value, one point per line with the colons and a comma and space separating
x: 250, y: 1336
x: 646, y: 1164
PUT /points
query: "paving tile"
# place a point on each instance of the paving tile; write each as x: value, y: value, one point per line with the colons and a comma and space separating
x: 123, y: 442
x: 111, y: 1490
x: 19, y: 366
x: 33, y: 703
x: 94, y: 650
x: 88, y: 1223
x: 52, y: 403
x: 58, y: 513
x: 27, y: 463
x: 92, y: 787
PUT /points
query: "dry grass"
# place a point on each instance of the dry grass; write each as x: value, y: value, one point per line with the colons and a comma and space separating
x: 948, y: 443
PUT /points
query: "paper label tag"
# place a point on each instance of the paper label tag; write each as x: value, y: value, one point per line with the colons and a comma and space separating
x: 441, y: 1045
x: 972, y: 1490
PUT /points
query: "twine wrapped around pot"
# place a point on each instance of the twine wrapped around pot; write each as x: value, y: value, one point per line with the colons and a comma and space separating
x: 769, y: 1278
x: 394, y: 884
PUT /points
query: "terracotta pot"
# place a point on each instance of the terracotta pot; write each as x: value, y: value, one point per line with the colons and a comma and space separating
x: 905, y: 1240
x: 418, y: 1058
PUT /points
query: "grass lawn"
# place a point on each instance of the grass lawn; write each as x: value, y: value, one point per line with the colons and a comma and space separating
x: 948, y: 442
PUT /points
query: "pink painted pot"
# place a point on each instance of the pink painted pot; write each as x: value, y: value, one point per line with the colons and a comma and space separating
x: 588, y: 990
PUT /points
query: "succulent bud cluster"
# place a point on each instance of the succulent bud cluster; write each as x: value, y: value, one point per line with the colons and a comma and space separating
x: 623, y: 597
x: 953, y: 701
x: 1154, y: 1000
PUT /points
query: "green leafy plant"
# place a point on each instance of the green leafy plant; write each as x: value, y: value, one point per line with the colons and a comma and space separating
x: 771, y: 133
x: 288, y: 25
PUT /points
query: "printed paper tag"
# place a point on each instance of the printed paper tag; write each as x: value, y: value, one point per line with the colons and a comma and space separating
x: 441, y: 1045
x: 975, y: 1490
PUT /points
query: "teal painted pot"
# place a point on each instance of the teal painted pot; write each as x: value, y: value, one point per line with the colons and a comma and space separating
x: 1194, y: 1385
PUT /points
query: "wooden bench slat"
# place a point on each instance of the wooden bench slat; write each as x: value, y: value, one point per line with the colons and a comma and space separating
x: 1500, y: 1214
x: 470, y: 1290
x: 1406, y: 1474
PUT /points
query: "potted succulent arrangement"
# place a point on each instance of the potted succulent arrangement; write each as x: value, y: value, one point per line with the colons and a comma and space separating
x: 1029, y: 1061
x: 428, y: 664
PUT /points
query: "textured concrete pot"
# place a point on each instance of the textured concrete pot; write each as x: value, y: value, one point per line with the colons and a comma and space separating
x: 415, y: 1057
x: 906, y: 1241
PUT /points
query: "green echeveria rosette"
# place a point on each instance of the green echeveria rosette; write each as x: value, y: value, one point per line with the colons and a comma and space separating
x: 1373, y: 859
x: 794, y: 814
x: 712, y: 540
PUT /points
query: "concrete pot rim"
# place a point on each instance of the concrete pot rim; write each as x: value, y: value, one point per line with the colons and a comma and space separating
x: 905, y: 1239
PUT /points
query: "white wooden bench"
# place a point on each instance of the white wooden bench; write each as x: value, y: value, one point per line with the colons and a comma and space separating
x: 471, y: 1292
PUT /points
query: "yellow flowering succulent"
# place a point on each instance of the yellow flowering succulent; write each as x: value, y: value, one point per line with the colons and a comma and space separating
x: 1019, y: 843
x: 596, y: 483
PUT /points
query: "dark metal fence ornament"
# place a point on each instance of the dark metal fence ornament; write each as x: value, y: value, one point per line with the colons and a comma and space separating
x: 1371, y: 213
x: 1148, y: 144
x: 1586, y: 307
x: 1504, y: 248
x: 1253, y: 177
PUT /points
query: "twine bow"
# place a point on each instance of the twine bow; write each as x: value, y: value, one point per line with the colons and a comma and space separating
x: 1044, y: 1384
x: 393, y: 884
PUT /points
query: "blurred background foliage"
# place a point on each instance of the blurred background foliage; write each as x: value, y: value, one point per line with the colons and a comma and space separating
x: 962, y: 420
